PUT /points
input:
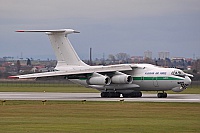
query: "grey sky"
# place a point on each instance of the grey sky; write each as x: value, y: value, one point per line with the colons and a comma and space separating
x: 108, y: 26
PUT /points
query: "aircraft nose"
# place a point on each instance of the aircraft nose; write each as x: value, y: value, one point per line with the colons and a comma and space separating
x: 187, y: 80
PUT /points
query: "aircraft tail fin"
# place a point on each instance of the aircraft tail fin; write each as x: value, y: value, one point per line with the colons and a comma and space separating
x: 65, y: 53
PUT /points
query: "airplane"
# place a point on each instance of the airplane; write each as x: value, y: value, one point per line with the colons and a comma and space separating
x: 113, y: 81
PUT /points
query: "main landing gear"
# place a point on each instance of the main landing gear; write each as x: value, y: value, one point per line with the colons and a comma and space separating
x: 110, y: 94
x: 132, y: 94
x: 129, y: 95
x: 117, y: 94
x: 162, y: 95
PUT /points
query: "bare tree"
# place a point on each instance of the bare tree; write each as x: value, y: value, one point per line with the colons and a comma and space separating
x: 196, y: 66
x: 18, y: 66
x: 111, y: 57
x: 28, y: 63
x: 122, y: 56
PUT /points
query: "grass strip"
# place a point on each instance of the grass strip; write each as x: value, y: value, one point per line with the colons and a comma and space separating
x: 67, y: 88
x: 70, y: 88
x: 98, y: 117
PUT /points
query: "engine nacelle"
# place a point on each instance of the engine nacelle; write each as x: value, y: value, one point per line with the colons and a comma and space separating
x: 178, y: 89
x: 121, y: 78
x: 98, y: 79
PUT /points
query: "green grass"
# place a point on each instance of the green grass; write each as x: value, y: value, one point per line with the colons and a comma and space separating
x: 68, y: 88
x: 31, y: 87
x: 98, y: 117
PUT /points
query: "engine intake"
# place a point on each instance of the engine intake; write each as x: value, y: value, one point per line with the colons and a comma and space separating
x: 98, y: 79
x: 121, y: 78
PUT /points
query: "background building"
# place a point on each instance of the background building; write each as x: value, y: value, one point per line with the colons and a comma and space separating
x: 163, y: 55
x: 148, y: 54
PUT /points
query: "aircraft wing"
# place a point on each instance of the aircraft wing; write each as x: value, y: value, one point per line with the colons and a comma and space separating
x: 99, y: 69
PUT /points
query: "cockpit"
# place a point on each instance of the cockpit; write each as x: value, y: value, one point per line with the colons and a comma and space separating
x: 179, y: 73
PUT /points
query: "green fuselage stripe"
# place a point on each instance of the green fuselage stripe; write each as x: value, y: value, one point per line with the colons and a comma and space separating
x: 156, y: 78
x: 141, y: 78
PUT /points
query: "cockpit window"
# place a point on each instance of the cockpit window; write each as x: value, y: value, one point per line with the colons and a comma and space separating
x: 178, y: 73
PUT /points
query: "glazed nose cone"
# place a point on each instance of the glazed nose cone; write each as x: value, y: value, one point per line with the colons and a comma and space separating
x: 187, y: 80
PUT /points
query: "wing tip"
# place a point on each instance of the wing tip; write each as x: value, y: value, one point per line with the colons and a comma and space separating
x: 13, y: 77
x: 19, y: 31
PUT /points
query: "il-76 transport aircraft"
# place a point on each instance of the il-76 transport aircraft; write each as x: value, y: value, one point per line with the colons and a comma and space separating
x: 127, y: 80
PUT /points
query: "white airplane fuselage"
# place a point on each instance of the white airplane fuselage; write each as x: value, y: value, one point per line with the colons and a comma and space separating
x: 147, y: 76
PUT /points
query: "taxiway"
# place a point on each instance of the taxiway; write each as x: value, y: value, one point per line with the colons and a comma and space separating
x: 95, y: 97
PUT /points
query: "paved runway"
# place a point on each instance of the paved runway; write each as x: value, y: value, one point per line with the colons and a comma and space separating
x: 95, y: 97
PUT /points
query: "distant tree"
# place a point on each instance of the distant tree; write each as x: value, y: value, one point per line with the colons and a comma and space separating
x: 194, y: 71
x: 18, y: 66
x: 168, y: 62
x: 122, y: 56
x: 196, y: 65
x: 148, y: 60
x: 156, y: 63
x: 111, y: 57
x: 4, y: 75
x: 28, y: 62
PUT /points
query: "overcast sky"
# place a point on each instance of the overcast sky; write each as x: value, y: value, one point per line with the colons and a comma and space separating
x: 108, y: 26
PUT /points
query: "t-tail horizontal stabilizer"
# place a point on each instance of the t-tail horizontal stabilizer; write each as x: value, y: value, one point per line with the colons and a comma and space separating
x: 65, y: 53
x: 66, y: 31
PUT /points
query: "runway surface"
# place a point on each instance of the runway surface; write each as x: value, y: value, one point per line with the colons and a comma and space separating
x: 95, y: 97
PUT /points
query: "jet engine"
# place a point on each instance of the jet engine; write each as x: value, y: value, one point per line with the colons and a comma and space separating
x: 98, y: 79
x: 178, y: 89
x: 121, y: 78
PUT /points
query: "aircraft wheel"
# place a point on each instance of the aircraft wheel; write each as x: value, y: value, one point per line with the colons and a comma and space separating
x: 104, y: 94
x: 136, y: 94
x: 110, y: 94
x: 162, y: 95
x: 139, y: 94
x: 125, y: 95
x: 133, y: 94
x: 159, y: 95
x: 116, y: 94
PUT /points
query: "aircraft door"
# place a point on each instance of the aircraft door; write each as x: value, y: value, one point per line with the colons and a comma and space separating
x: 142, y: 79
x: 155, y: 82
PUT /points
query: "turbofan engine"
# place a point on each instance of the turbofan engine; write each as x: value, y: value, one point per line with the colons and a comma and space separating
x: 121, y: 78
x: 98, y: 79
